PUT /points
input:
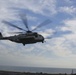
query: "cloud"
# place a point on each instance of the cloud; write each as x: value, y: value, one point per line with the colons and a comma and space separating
x: 8, y: 13
x: 47, y: 33
x: 68, y: 1
x: 63, y: 46
x: 70, y: 24
x: 43, y: 7
x: 70, y: 39
x: 69, y: 10
x: 34, y: 61
x: 58, y: 47
x: 57, y: 51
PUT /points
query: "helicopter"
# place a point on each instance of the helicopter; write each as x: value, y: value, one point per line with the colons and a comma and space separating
x: 26, y: 36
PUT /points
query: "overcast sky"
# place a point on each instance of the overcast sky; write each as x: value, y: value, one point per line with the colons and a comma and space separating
x: 60, y: 51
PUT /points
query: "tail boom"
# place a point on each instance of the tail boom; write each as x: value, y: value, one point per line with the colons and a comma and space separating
x: 1, y: 37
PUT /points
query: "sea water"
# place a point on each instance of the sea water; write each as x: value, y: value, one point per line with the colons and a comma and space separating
x: 38, y: 70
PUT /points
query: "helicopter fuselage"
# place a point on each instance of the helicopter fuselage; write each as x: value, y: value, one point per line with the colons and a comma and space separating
x: 27, y: 38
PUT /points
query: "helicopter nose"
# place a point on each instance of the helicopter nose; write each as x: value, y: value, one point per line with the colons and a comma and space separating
x: 42, y: 39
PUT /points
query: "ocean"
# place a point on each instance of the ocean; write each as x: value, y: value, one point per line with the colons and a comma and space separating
x: 38, y: 70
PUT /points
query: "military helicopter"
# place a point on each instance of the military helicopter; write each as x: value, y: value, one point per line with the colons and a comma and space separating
x: 26, y: 36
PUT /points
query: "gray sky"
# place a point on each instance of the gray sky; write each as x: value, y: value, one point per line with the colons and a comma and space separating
x: 60, y: 51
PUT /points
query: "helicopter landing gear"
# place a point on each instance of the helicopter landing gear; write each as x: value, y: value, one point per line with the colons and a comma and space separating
x: 24, y: 44
x: 42, y: 41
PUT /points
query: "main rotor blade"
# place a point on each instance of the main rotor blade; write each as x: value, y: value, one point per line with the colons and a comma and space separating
x: 42, y: 24
x: 8, y: 23
x: 48, y: 38
x: 24, y: 19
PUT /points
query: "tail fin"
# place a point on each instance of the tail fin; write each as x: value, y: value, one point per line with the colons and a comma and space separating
x: 1, y: 35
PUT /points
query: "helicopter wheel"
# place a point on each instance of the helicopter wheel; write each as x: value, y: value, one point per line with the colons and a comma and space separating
x: 24, y: 44
x: 42, y: 41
